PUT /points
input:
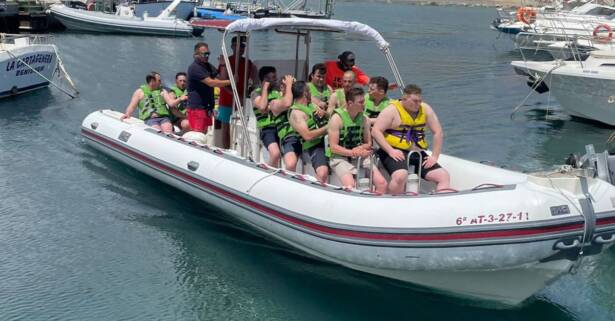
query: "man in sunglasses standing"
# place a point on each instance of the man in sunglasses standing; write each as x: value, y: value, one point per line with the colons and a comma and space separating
x: 336, y: 69
x: 201, y: 82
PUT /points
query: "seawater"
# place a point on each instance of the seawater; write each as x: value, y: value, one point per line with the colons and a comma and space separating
x: 84, y: 237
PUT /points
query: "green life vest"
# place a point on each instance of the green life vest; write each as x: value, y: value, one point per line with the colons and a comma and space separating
x: 181, y: 107
x: 321, y: 95
x: 152, y: 102
x: 341, y: 97
x: 264, y: 120
x: 283, y: 126
x: 351, y: 133
x: 311, y: 123
x: 371, y: 109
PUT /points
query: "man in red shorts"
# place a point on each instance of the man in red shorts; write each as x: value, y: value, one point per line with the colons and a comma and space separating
x: 201, y: 82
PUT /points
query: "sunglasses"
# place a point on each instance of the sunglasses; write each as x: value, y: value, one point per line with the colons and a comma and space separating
x: 206, y: 54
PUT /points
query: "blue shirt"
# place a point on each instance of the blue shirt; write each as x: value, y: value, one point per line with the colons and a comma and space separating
x: 200, y: 96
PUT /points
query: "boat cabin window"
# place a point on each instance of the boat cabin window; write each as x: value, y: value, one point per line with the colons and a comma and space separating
x: 601, y: 11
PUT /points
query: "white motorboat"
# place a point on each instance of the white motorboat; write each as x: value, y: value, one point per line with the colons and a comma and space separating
x: 498, y: 236
x: 125, y: 21
x: 582, y: 88
x: 29, y: 63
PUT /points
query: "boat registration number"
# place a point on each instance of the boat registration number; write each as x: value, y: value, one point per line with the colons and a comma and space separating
x: 493, y: 218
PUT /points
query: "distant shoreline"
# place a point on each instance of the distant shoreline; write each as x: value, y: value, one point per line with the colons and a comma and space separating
x: 463, y: 3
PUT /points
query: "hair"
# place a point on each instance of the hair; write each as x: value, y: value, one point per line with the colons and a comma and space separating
x: 181, y: 73
x: 381, y: 83
x: 322, y: 68
x: 412, y: 89
x: 199, y: 45
x: 354, y: 93
x: 264, y: 71
x: 299, y: 89
x: 344, y: 55
x: 151, y: 76
x: 350, y: 72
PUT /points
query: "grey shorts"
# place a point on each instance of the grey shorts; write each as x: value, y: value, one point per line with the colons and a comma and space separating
x: 157, y: 121
x: 316, y: 155
x: 291, y: 144
x: 269, y: 135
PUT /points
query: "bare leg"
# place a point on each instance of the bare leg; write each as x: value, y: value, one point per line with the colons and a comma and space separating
x: 226, y: 136
x: 290, y: 160
x: 322, y: 173
x: 441, y: 177
x: 185, y: 125
x: 167, y: 127
x: 397, y: 184
x: 274, y: 154
x: 348, y: 181
x: 380, y: 184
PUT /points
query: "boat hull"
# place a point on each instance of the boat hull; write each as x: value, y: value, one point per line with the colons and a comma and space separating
x: 17, y: 77
x: 506, y: 270
x: 88, y: 21
x: 183, y: 10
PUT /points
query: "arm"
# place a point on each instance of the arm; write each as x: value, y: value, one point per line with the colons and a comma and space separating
x: 438, y: 135
x: 261, y: 101
x: 367, y: 135
x: 214, y: 82
x: 298, y: 120
x: 332, y: 103
x: 362, y: 78
x: 171, y: 100
x: 278, y: 106
x: 173, y: 109
x: 132, y: 105
x: 335, y: 124
x: 388, y: 118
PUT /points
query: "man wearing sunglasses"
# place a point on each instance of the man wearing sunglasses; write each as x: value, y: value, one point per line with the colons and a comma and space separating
x: 201, y: 82
x: 336, y: 69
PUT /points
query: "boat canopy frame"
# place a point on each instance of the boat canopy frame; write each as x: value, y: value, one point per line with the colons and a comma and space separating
x: 301, y: 27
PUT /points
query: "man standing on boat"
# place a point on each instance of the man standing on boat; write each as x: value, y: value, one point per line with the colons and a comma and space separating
x: 225, y: 103
x: 376, y: 99
x: 310, y: 123
x: 179, y: 111
x: 338, y: 99
x: 350, y: 140
x: 201, y: 82
x: 399, y: 130
x: 265, y: 99
x: 150, y: 100
x: 336, y: 69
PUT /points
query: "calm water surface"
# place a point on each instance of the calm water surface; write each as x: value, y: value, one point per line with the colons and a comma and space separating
x: 83, y: 237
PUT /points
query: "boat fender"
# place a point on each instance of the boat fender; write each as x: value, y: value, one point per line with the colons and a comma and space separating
x: 605, y: 238
x: 567, y: 244
x: 193, y: 136
x: 599, y: 29
x: 526, y: 15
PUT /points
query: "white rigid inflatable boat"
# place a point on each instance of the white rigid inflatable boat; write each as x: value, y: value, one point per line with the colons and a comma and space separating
x: 499, y: 236
x: 502, y: 241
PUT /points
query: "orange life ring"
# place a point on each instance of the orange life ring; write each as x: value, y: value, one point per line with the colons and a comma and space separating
x: 598, y: 30
x: 526, y: 15
x: 90, y: 6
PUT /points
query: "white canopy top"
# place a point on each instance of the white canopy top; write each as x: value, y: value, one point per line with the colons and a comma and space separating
x: 351, y: 27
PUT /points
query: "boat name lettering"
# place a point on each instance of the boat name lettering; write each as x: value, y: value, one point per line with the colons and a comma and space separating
x: 29, y: 60
x: 493, y: 218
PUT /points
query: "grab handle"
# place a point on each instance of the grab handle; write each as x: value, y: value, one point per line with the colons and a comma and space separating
x: 561, y: 245
x: 605, y: 238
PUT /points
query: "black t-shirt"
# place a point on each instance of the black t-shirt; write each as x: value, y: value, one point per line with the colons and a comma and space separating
x: 200, y: 96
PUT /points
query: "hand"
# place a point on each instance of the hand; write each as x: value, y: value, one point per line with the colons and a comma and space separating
x: 183, y: 98
x: 124, y: 116
x: 397, y: 155
x: 364, y: 152
x: 288, y: 80
x: 266, y: 84
x: 430, y: 161
x: 319, y: 112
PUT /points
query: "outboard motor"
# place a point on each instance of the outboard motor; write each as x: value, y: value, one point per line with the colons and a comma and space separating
x: 601, y: 164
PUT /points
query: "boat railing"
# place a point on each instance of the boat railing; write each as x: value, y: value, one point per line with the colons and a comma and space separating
x: 25, y: 39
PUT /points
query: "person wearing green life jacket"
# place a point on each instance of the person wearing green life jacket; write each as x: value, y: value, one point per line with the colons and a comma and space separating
x: 376, y: 99
x: 319, y: 90
x: 151, y: 101
x: 303, y: 119
x: 338, y: 99
x: 350, y: 139
x: 179, y: 91
x: 265, y: 100
x: 399, y: 130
